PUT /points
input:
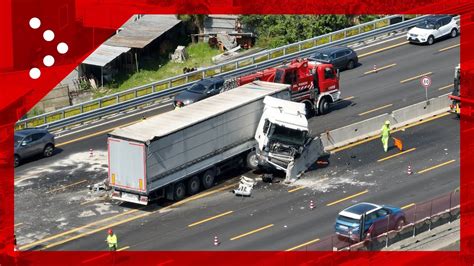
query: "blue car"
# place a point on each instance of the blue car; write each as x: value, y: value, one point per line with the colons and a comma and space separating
x: 374, y: 219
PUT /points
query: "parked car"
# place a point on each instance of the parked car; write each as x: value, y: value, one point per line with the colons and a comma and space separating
x: 374, y: 219
x: 432, y: 28
x: 340, y: 57
x: 31, y: 142
x: 200, y: 90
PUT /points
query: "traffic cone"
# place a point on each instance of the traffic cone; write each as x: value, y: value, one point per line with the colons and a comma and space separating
x: 409, y: 171
x: 216, y: 241
x: 91, y: 153
x: 311, y: 204
x: 375, y: 68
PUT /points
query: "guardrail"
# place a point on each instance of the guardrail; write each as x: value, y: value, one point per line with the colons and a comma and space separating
x: 419, y: 218
x: 168, y: 87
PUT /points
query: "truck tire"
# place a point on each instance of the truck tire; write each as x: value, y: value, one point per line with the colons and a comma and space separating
x: 179, y: 191
x: 309, y: 109
x: 193, y: 185
x: 323, y: 106
x: 208, y: 179
x: 252, y: 160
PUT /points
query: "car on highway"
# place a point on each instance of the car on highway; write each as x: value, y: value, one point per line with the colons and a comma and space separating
x: 374, y: 219
x: 200, y: 90
x: 433, y: 28
x: 340, y: 57
x: 32, y: 141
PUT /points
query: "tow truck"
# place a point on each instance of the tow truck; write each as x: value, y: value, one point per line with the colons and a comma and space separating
x: 314, y: 83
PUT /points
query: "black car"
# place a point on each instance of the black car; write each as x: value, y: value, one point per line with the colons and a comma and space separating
x: 200, y: 90
x: 340, y: 57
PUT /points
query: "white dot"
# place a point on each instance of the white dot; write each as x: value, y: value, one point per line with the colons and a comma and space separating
x: 35, y: 23
x: 48, y: 35
x: 35, y: 73
x: 48, y: 60
x: 62, y: 48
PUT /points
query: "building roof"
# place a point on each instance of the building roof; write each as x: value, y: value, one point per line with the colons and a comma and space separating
x: 139, y: 33
x: 104, y: 54
x: 135, y: 33
x: 169, y: 122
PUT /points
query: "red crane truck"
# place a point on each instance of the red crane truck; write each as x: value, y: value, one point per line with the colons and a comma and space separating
x: 313, y: 83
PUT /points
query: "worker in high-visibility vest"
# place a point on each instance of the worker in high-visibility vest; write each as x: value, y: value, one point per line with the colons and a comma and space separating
x: 112, y: 240
x: 385, y: 135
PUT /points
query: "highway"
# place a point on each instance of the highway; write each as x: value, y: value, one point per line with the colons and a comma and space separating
x: 278, y: 217
x: 54, y: 188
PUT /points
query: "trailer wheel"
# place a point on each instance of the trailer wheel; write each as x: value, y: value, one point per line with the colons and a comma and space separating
x: 193, y: 185
x: 252, y: 160
x: 179, y: 191
x: 208, y: 179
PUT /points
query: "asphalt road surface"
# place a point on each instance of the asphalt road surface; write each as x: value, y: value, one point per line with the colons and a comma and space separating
x: 51, y: 197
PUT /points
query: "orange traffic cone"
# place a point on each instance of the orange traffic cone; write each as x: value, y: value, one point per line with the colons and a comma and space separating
x: 375, y: 68
x: 409, y: 171
x: 216, y: 241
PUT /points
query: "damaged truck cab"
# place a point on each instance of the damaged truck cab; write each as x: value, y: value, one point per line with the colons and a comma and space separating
x: 282, y: 133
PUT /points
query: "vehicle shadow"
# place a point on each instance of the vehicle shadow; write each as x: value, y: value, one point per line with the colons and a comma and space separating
x: 341, y: 105
x: 39, y: 157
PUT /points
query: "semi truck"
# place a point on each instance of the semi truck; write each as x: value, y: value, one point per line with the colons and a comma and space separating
x: 467, y: 98
x: 181, y: 151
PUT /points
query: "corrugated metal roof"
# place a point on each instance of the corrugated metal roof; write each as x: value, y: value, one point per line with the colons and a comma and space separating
x: 104, y: 54
x: 139, y: 33
x: 173, y: 121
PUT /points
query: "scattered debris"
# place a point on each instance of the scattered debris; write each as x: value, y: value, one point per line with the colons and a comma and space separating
x: 103, y: 185
x: 180, y: 55
x: 245, y: 186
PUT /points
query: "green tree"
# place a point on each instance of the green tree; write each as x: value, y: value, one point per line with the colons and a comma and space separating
x: 277, y: 30
x: 196, y: 20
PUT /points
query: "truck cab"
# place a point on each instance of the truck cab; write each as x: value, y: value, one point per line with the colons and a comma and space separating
x: 282, y: 133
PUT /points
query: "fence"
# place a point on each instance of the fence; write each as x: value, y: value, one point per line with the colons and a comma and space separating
x: 419, y: 218
x: 149, y: 93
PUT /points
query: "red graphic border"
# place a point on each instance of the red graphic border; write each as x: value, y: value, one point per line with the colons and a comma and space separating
x: 85, y: 24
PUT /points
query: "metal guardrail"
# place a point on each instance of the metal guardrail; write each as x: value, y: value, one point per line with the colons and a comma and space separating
x: 168, y: 87
x: 420, y: 217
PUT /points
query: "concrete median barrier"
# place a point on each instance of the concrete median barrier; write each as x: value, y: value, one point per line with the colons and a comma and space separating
x: 371, y: 127
x: 420, y: 111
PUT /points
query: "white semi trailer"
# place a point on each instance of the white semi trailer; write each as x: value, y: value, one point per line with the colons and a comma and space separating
x: 182, y: 151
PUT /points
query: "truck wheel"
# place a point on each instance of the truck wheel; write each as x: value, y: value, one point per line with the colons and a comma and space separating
x: 179, y: 191
x: 16, y: 161
x: 323, y: 106
x: 309, y: 109
x: 252, y: 160
x: 193, y: 185
x: 208, y: 179
x: 48, y: 150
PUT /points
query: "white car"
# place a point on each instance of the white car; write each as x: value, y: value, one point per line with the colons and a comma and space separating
x: 432, y: 28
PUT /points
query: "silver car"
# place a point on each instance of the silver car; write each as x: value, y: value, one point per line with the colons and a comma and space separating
x: 31, y: 142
